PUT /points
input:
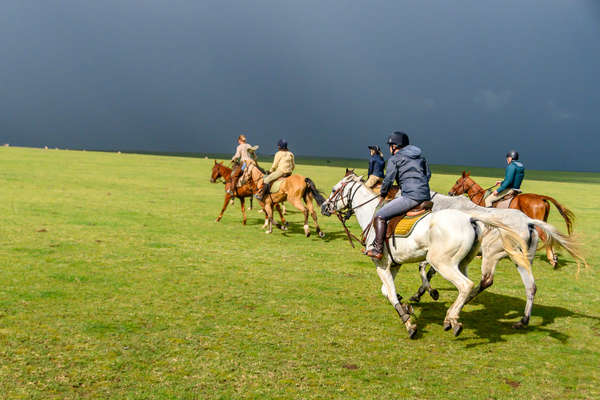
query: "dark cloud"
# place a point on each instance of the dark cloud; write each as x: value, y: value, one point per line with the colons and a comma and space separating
x: 466, y: 80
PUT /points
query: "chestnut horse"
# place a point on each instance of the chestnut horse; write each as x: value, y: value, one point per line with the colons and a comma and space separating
x: 247, y: 190
x: 533, y: 205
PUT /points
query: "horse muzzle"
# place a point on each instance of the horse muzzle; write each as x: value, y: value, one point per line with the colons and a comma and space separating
x: 325, y: 209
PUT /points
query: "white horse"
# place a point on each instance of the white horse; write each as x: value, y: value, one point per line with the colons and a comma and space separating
x: 492, y: 249
x: 447, y: 239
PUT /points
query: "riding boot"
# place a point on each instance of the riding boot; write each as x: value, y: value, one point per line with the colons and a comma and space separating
x: 263, y: 191
x: 380, y: 226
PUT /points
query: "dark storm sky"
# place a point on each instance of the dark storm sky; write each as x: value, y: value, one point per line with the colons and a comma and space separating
x: 467, y: 80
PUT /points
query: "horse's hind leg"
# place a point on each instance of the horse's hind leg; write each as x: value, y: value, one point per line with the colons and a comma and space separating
x: 284, y: 223
x: 451, y: 272
x: 387, y: 278
x: 311, y: 209
x: 426, y: 284
x: 530, y: 289
x: 269, y: 217
x: 297, y: 202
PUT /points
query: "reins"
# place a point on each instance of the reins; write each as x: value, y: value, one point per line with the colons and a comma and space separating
x: 345, y: 216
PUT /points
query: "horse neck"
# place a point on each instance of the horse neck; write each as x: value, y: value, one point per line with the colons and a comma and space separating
x: 225, y: 172
x: 364, y: 213
x: 475, y: 192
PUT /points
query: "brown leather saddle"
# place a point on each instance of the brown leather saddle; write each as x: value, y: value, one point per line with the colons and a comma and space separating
x: 505, y: 201
x: 416, y: 211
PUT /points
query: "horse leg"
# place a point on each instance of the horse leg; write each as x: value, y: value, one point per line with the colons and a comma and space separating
x: 243, y: 207
x: 426, y: 284
x: 530, y: 289
x: 387, y: 278
x: 284, y: 223
x: 269, y: 217
x: 225, y: 204
x: 451, y: 272
x: 297, y: 202
x: 313, y: 214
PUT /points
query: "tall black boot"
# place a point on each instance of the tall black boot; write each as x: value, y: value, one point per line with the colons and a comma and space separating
x: 263, y: 192
x: 380, y: 226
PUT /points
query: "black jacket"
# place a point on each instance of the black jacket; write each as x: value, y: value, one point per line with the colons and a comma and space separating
x: 376, y: 164
x: 409, y: 168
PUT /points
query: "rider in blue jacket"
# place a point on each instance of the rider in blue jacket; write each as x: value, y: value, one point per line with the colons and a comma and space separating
x: 515, y: 172
x: 409, y: 168
x: 376, y: 166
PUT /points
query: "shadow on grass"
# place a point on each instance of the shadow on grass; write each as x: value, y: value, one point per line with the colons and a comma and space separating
x: 495, y: 320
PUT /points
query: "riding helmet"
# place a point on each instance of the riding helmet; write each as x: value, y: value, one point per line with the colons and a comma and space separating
x: 513, y: 154
x: 399, y: 139
x: 282, y: 144
x: 375, y: 147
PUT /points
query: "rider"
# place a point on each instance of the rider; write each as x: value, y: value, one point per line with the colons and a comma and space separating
x: 515, y: 171
x: 376, y: 165
x: 244, y: 154
x: 283, y: 165
x: 408, y: 167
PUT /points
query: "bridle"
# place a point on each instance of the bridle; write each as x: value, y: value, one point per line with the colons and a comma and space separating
x: 347, y: 210
x: 466, y: 191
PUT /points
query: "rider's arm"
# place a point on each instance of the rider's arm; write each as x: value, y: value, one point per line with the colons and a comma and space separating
x: 427, y: 170
x: 509, y: 178
x: 238, y: 153
x: 389, y: 179
x: 292, y: 160
x: 371, y: 165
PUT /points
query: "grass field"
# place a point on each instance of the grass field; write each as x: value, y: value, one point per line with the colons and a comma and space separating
x: 115, y: 282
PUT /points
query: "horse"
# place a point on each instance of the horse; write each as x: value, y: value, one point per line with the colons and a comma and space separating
x: 300, y: 191
x: 533, y: 205
x: 246, y: 190
x: 447, y: 239
x: 492, y: 251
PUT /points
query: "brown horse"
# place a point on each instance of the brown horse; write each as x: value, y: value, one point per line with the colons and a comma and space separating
x: 299, y: 191
x: 247, y: 190
x: 533, y: 205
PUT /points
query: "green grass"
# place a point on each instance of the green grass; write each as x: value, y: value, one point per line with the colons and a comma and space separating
x: 115, y: 282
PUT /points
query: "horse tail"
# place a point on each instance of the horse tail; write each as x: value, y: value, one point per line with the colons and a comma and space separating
x: 512, y: 243
x: 567, y: 214
x: 310, y: 185
x: 567, y: 242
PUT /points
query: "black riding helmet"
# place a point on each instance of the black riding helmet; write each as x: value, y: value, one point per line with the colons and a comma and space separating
x: 513, y: 154
x: 399, y: 139
x: 375, y: 147
x: 282, y: 144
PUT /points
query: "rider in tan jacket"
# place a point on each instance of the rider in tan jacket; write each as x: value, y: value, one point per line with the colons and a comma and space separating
x: 283, y: 165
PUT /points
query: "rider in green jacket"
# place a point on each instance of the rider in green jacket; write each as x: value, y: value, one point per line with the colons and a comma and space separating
x: 515, y: 172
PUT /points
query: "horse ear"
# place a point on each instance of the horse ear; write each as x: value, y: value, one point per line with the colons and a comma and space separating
x: 468, y: 173
x: 221, y: 162
x: 215, y: 162
x: 464, y: 174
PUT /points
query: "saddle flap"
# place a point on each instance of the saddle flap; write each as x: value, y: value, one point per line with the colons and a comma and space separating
x: 275, y: 186
x: 504, y: 201
x: 402, y: 225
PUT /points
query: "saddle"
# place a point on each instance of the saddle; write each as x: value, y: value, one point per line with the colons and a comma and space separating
x: 402, y: 225
x: 275, y: 186
x: 504, y: 201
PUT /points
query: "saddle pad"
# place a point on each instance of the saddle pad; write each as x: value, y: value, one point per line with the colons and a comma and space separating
x: 275, y: 186
x: 407, y: 224
x: 505, y: 201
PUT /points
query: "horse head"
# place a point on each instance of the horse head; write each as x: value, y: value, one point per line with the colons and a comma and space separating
x: 217, y: 171
x: 335, y: 202
x: 462, y: 185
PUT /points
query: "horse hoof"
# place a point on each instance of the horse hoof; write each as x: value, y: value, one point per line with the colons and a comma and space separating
x: 321, y: 234
x: 415, y: 299
x: 457, y: 329
x: 409, y: 309
x: 412, y: 333
x: 434, y: 294
x: 398, y: 297
x: 519, y: 325
x: 447, y: 325
x: 267, y: 232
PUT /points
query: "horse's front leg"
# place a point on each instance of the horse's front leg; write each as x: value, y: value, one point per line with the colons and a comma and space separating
x: 284, y: 224
x: 425, y: 284
x: 225, y: 204
x: 243, y: 206
x: 404, y: 311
